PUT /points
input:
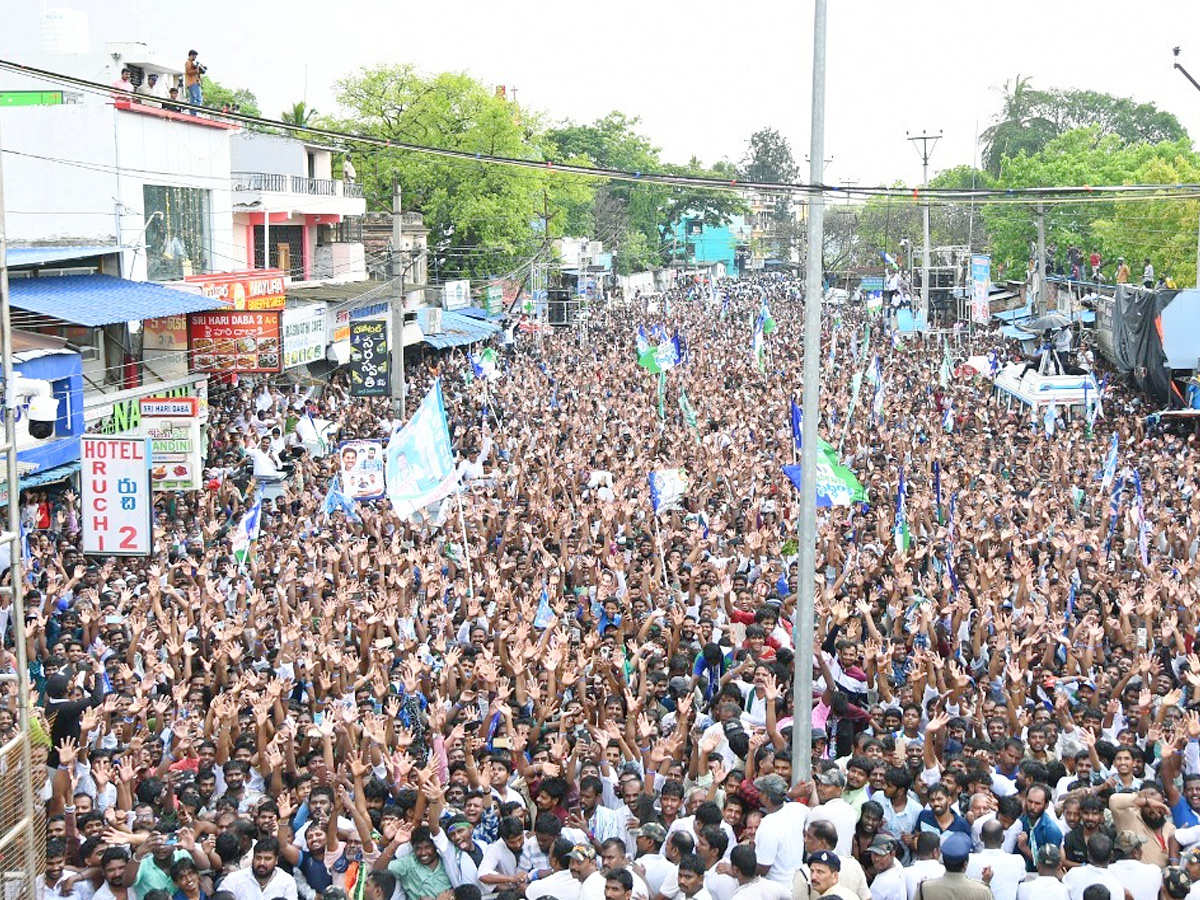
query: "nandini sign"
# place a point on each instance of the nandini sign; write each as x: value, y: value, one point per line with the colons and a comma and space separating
x: 173, y: 425
x: 118, y: 508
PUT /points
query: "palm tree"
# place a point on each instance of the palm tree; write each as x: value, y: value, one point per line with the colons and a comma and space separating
x: 1020, y: 125
x: 300, y: 114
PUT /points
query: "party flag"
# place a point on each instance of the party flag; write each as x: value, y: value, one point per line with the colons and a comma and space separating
x: 900, y: 531
x: 666, y: 489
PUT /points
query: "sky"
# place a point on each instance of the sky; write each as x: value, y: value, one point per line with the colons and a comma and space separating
x: 701, y: 75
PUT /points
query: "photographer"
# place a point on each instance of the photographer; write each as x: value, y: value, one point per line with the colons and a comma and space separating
x: 193, y: 73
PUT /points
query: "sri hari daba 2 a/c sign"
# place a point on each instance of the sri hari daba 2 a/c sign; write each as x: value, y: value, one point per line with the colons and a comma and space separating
x: 116, y: 500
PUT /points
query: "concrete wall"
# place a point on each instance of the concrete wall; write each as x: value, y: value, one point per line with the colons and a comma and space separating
x: 271, y: 153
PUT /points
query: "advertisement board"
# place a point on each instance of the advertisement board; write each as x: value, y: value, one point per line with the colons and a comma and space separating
x: 176, y: 448
x: 981, y: 285
x: 115, y: 497
x: 235, y: 342
x: 369, y: 375
x: 494, y: 299
x: 456, y: 294
x: 256, y: 290
x: 361, y: 465
x: 167, y: 333
x: 121, y: 412
x: 303, y: 335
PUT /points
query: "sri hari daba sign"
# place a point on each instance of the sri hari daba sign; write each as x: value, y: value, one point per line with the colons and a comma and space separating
x: 173, y: 426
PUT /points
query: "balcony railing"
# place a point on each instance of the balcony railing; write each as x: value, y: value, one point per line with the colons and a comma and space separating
x: 295, y: 184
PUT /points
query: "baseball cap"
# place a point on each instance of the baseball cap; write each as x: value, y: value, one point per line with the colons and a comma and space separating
x: 773, y: 787
x: 1049, y: 855
x: 651, y: 830
x: 956, y: 848
x: 582, y: 852
x: 825, y: 858
x: 1128, y: 840
x: 1177, y: 881
x: 830, y: 778
x: 882, y: 844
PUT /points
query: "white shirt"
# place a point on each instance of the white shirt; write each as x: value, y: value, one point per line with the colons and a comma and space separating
x: 889, y: 884
x: 1044, y: 887
x: 919, y: 872
x: 1142, y: 880
x: 561, y: 885
x: 844, y: 818
x: 592, y: 887
x: 1082, y: 877
x: 762, y: 889
x: 779, y: 841
x: 658, y: 870
x: 498, y: 859
x: 244, y: 886
x: 1008, y: 871
x: 688, y: 824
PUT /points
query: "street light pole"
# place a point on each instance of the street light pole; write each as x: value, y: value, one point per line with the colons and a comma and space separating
x: 928, y: 142
x: 802, y: 626
x: 396, y: 307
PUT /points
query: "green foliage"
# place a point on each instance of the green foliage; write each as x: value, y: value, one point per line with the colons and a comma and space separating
x: 769, y: 159
x: 481, y: 217
x: 217, y: 96
x: 300, y: 114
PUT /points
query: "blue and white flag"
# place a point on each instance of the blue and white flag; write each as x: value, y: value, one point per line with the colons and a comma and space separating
x: 900, y: 530
x: 246, y: 532
x: 948, y: 419
x: 1139, y: 518
x: 484, y: 365
x: 336, y: 501
x: 993, y: 363
x: 667, y: 487
x: 1114, y: 510
x: 757, y: 343
x: 1109, y: 471
x: 797, y: 427
x: 1050, y: 420
x: 420, y: 463
x: 545, y: 613
x: 643, y: 342
x: 889, y: 259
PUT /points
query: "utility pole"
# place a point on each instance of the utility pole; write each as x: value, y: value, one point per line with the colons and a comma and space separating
x: 396, y: 305
x: 1040, y: 268
x: 803, y: 624
x: 928, y: 142
x: 846, y: 184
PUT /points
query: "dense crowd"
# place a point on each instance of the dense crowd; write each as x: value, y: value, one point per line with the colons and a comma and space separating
x: 586, y: 700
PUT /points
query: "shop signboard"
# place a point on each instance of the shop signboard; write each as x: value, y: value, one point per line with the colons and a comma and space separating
x: 115, y: 496
x: 456, y: 295
x: 303, y: 335
x: 244, y: 342
x: 369, y: 375
x: 257, y: 290
x: 177, y: 457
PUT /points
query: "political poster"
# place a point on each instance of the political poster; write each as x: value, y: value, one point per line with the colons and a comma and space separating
x: 981, y: 285
x: 420, y: 463
x: 361, y: 468
x: 369, y: 375
x: 115, y: 498
x: 177, y: 454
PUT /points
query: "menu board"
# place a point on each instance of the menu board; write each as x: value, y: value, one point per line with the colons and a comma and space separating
x: 245, y: 342
x: 368, y: 359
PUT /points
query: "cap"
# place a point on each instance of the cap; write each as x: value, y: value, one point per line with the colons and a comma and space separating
x: 773, y: 787
x: 1127, y: 840
x: 1190, y: 855
x: 881, y: 845
x: 956, y: 848
x: 651, y: 830
x: 1177, y: 882
x: 830, y: 778
x: 819, y: 734
x: 1049, y: 855
x: 825, y: 858
x: 679, y: 684
x: 582, y: 852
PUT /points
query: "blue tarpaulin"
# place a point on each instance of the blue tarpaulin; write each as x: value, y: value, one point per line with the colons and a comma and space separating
x: 459, y: 330
x: 95, y: 300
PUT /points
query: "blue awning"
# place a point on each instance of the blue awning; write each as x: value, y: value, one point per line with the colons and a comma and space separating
x: 459, y: 330
x: 1014, y: 315
x: 41, y: 256
x: 49, y: 476
x: 95, y: 300
x: 476, y: 312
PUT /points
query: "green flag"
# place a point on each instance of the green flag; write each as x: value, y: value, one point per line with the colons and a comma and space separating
x: 662, y: 395
x: 689, y: 414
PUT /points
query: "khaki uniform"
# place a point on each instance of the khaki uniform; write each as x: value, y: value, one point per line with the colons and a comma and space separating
x: 954, y: 886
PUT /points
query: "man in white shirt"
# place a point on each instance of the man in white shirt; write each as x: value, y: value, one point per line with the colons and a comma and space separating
x: 1046, y: 885
x: 750, y: 885
x: 1142, y: 880
x: 1095, y: 871
x: 829, y: 786
x: 926, y: 865
x: 502, y: 858
x: 264, y: 880
x: 654, y: 867
x: 560, y: 883
x: 1008, y: 869
x: 586, y: 872
x: 889, y: 873
x: 779, y: 852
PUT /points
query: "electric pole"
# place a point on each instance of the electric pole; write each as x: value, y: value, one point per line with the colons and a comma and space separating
x: 1040, y: 268
x: 802, y: 626
x: 396, y: 305
x: 1196, y: 85
x: 928, y: 142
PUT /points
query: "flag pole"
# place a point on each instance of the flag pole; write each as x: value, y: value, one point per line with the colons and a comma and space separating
x: 803, y: 623
x: 462, y: 521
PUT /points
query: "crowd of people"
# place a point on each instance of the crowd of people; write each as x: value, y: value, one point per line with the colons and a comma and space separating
x: 563, y: 695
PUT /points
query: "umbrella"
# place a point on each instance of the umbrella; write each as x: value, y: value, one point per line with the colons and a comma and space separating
x: 1050, y: 322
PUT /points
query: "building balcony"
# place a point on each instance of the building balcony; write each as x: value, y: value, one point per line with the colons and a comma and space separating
x: 267, y: 190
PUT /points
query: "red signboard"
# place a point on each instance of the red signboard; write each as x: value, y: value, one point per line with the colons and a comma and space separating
x: 260, y: 289
x: 232, y: 341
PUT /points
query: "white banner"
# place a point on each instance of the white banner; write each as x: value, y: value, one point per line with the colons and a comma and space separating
x: 304, y: 331
x: 456, y: 294
x: 117, y: 506
x: 981, y: 285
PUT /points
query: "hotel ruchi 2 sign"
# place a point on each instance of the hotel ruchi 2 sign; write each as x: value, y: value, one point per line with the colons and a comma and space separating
x: 257, y: 290
x: 118, y: 508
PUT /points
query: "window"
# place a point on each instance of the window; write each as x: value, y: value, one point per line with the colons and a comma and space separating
x: 178, y: 237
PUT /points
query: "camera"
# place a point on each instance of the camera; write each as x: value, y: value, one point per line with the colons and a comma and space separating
x: 42, y: 412
x: 201, y: 68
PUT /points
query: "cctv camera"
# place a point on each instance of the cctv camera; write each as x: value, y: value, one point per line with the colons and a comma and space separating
x: 42, y: 411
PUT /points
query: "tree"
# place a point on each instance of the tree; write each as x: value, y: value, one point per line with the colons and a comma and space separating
x: 769, y: 160
x: 1020, y: 126
x: 480, y: 215
x: 300, y: 114
x: 217, y: 96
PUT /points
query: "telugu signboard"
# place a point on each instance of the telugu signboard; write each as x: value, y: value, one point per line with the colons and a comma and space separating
x: 368, y: 359
x: 981, y: 286
x: 257, y: 290
x: 494, y: 299
x: 118, y: 510
x: 456, y: 294
x: 173, y: 426
x: 303, y: 335
x: 168, y: 333
x: 245, y: 342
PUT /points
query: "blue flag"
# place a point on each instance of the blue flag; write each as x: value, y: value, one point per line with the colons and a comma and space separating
x: 797, y: 426
x: 336, y: 501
